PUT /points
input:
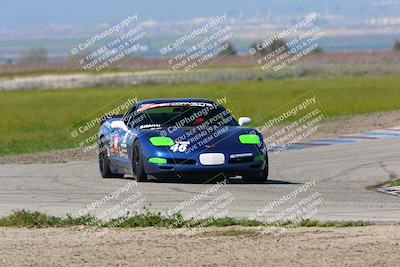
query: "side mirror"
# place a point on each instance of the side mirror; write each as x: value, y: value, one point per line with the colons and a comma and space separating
x: 119, y: 125
x: 244, y: 121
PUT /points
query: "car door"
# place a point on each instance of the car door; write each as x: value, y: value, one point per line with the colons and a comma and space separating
x: 119, y: 142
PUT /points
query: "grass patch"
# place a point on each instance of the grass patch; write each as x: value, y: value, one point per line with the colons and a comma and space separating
x: 25, y: 218
x: 39, y: 120
x: 338, y: 224
x: 234, y: 233
x: 395, y: 183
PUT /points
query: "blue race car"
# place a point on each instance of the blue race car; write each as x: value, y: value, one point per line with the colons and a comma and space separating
x: 181, y: 138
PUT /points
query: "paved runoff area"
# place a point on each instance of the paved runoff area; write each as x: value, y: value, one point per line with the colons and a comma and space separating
x: 328, y: 182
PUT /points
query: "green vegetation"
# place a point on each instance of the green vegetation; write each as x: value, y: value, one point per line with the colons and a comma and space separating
x: 25, y: 218
x: 396, y: 46
x: 395, y: 183
x: 276, y: 45
x: 318, y: 50
x: 36, y: 55
x: 338, y: 224
x: 42, y: 120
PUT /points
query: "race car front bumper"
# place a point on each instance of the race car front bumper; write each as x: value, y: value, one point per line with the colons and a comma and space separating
x: 206, y: 164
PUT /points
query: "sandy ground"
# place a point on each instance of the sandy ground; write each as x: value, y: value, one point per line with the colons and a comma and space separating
x: 231, y: 246
x: 329, y: 128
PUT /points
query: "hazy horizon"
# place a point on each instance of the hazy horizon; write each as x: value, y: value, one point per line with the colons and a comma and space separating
x: 41, y: 13
x: 358, y: 25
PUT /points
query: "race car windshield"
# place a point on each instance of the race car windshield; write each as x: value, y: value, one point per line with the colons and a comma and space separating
x: 183, y: 115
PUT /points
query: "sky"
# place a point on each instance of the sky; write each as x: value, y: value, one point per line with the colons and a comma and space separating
x: 38, y: 13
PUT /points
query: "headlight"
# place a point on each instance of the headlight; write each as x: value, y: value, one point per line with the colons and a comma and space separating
x: 161, y: 141
x: 157, y: 160
x: 249, y: 139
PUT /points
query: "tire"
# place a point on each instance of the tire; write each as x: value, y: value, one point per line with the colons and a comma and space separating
x: 104, y: 163
x: 257, y: 177
x: 137, y: 163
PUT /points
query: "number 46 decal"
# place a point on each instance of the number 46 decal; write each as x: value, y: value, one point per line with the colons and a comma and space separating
x: 180, y: 146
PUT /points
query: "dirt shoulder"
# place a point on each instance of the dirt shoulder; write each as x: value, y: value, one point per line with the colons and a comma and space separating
x: 58, y: 156
x: 230, y: 246
x: 329, y: 128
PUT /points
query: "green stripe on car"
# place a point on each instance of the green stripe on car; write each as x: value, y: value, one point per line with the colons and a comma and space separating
x: 157, y: 160
x: 161, y: 141
x: 249, y: 139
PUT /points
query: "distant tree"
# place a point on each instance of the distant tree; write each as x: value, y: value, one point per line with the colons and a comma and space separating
x: 277, y: 44
x: 318, y: 50
x: 229, y: 49
x: 36, y: 55
x: 253, y: 47
x: 396, y: 46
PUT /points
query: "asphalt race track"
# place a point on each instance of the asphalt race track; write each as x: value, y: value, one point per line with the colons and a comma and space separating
x: 343, y: 173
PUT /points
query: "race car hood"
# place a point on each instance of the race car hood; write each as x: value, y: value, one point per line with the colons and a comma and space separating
x: 211, y: 139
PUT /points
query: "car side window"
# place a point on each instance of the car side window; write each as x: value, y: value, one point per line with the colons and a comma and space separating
x: 135, y: 119
x: 128, y: 117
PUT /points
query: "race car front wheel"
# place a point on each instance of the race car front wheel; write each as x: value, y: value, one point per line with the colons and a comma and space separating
x: 137, y: 163
x: 104, y: 164
x: 257, y: 177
